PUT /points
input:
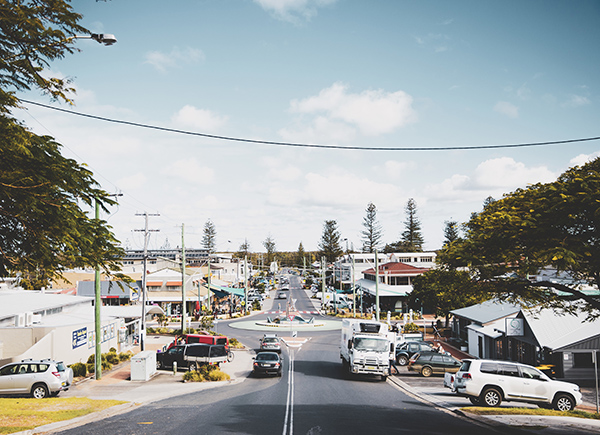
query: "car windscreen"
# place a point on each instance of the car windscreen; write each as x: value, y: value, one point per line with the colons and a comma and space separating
x: 368, y: 343
x: 270, y: 340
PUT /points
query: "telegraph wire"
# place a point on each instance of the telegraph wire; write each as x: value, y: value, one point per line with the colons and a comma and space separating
x: 304, y: 145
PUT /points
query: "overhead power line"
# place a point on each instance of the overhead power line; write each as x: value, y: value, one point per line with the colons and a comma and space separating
x: 304, y: 145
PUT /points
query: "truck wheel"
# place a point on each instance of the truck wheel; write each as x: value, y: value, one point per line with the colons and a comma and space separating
x: 402, y: 360
x: 426, y: 371
x: 491, y: 397
x: 564, y: 402
x: 384, y: 378
x: 39, y: 391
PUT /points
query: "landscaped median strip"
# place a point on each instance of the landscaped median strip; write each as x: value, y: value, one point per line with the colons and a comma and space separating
x: 20, y: 414
x: 477, y: 410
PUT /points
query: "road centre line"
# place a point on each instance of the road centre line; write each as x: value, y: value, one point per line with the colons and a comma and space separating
x: 289, y: 406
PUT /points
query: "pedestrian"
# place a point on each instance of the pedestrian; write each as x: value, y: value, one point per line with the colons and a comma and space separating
x: 393, y: 366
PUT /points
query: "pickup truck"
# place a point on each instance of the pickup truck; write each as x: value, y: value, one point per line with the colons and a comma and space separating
x: 191, y: 356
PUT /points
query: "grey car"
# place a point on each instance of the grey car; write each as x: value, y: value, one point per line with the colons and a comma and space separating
x: 36, y: 378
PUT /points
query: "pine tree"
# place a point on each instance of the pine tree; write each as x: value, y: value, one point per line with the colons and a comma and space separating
x: 300, y: 255
x: 412, y: 234
x: 269, y: 244
x: 329, y: 245
x: 209, y: 238
x: 451, y: 232
x: 372, y: 233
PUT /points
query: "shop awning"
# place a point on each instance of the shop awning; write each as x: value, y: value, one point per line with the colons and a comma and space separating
x: 224, y: 291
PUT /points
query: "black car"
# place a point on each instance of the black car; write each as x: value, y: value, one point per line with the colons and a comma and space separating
x: 267, y: 363
x: 408, y: 349
x: 191, y: 356
x: 429, y: 363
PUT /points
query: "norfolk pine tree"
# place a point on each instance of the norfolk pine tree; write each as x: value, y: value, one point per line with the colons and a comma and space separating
x: 372, y: 233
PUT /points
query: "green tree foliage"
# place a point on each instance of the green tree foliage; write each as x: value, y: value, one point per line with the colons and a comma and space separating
x: 44, y: 229
x: 443, y: 290
x: 372, y: 233
x: 411, y: 236
x: 244, y: 250
x: 209, y: 236
x: 33, y: 33
x: 451, y: 232
x: 329, y: 246
x: 554, y: 226
x: 300, y: 254
x: 270, y: 246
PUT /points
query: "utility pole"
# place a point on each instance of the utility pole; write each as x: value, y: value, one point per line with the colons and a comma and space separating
x: 183, y: 298
x: 353, y: 291
x: 322, y: 282
x: 97, y: 304
x: 377, y: 284
x: 146, y: 237
x: 246, y: 284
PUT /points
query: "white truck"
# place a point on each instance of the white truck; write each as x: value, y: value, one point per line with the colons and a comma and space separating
x: 367, y: 347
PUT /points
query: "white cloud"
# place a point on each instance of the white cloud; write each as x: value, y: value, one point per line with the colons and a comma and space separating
x: 189, y: 170
x: 576, y: 101
x: 190, y: 116
x: 582, y: 159
x: 280, y: 170
x: 507, y: 109
x: 164, y: 61
x: 293, y: 10
x: 371, y: 112
x: 134, y: 181
x: 395, y: 169
x: 493, y: 177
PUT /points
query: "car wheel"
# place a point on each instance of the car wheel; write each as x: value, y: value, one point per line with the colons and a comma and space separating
x: 402, y: 360
x: 426, y: 371
x: 39, y: 391
x: 491, y: 397
x: 193, y: 366
x: 564, y: 402
x: 475, y: 400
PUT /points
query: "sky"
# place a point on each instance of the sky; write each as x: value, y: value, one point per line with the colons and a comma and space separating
x: 351, y: 73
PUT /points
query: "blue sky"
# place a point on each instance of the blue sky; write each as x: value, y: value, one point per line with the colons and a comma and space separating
x: 392, y: 74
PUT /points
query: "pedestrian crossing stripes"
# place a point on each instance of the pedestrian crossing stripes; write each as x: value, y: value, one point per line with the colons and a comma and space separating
x: 295, y: 312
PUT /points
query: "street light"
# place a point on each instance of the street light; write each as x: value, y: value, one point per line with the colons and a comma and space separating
x: 102, y: 38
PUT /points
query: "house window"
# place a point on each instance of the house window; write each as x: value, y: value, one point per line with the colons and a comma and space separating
x: 399, y: 280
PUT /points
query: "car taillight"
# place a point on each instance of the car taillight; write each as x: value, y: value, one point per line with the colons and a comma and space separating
x: 57, y: 374
x: 277, y: 364
x: 466, y: 376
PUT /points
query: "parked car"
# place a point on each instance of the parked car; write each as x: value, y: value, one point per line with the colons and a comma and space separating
x: 406, y: 350
x: 430, y: 362
x: 281, y: 295
x: 267, y: 363
x: 36, y: 378
x: 66, y: 373
x: 191, y: 356
x: 270, y: 342
x: 489, y: 382
x: 199, y: 338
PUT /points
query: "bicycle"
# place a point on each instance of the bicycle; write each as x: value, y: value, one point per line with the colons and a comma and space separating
x: 230, y: 356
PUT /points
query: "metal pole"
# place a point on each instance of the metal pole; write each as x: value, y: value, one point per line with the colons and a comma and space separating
x: 353, y: 291
x: 596, y: 373
x: 322, y: 282
x: 183, y: 298
x: 143, y: 327
x: 97, y: 319
x: 377, y: 284
x: 245, y: 283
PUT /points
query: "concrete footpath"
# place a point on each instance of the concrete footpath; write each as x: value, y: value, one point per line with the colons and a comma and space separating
x: 115, y: 385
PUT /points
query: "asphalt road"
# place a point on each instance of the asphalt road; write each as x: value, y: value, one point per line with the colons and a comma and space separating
x: 312, y: 397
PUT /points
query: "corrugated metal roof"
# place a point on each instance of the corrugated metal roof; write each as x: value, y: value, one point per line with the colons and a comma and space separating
x: 487, y: 311
x: 554, y: 330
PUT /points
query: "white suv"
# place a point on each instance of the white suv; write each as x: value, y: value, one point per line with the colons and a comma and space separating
x: 488, y: 383
x: 37, y: 378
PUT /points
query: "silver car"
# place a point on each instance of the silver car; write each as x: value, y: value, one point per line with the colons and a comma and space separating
x: 36, y: 378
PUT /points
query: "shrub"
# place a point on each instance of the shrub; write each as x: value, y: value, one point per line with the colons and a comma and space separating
x: 124, y: 356
x: 112, y: 358
x: 233, y: 342
x: 79, y: 370
x: 112, y: 350
x: 91, y: 368
x: 411, y: 327
x: 217, y: 375
x: 193, y: 376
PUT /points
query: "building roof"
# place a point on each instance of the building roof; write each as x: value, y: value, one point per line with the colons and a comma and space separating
x: 487, y: 311
x: 555, y: 330
x: 384, y: 289
x: 14, y: 302
x: 397, y: 268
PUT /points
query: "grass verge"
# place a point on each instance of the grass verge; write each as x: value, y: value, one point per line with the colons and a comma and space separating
x: 477, y: 410
x: 18, y: 414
